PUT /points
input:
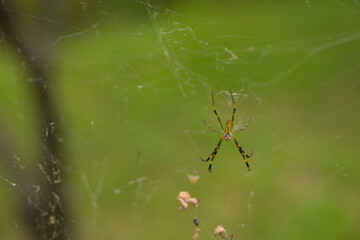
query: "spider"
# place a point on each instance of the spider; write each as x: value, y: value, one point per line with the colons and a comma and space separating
x: 227, y: 134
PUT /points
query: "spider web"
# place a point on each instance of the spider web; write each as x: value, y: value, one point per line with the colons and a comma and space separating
x: 133, y: 82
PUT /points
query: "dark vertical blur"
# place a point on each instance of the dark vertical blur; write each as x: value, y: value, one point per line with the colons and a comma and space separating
x: 43, y: 203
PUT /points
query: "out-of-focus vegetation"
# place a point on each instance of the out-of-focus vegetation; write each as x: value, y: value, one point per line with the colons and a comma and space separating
x: 133, y: 81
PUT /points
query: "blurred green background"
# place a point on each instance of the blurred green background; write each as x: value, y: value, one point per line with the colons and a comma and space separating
x: 133, y: 82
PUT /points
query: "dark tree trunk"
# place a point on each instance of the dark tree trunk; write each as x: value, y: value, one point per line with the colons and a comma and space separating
x: 43, y: 191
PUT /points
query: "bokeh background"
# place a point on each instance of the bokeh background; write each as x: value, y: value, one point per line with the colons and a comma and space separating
x: 131, y: 82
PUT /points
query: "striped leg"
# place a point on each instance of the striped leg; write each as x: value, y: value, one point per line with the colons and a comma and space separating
x: 212, y: 155
x: 233, y: 115
x: 243, y: 154
x: 213, y: 102
x: 213, y: 130
x: 247, y: 124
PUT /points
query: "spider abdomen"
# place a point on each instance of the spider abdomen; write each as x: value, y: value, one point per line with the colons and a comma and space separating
x: 227, y: 136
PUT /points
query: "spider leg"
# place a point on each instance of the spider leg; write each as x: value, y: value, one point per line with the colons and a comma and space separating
x: 243, y: 154
x: 213, y: 102
x: 212, y: 155
x: 233, y: 114
x: 213, y: 130
x: 247, y: 124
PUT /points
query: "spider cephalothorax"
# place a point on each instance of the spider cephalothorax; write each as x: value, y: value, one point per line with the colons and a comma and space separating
x: 227, y: 135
